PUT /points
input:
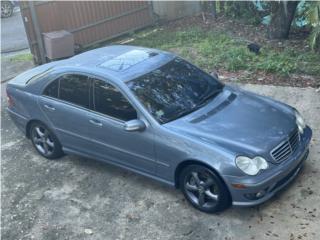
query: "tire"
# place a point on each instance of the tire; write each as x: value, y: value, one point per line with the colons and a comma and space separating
x: 204, y: 189
x: 6, y: 9
x: 45, y: 142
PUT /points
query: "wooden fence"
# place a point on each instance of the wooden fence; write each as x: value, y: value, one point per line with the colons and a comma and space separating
x: 90, y: 22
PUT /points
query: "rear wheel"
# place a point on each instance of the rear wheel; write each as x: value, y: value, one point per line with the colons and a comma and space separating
x: 204, y: 189
x: 45, y: 142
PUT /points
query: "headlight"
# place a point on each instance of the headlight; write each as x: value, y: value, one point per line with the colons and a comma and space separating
x: 251, y: 166
x: 300, y: 122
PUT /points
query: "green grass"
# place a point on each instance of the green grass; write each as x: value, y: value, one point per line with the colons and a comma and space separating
x: 21, y: 57
x: 212, y: 49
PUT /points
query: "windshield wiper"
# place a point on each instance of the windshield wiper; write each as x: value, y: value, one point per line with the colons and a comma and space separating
x: 184, y: 113
x: 210, y: 96
x: 203, y: 102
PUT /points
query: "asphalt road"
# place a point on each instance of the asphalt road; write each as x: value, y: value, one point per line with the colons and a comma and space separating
x: 79, y: 198
x: 13, y: 35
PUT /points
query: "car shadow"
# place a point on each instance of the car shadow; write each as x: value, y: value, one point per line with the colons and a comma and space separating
x: 114, y: 171
x: 141, y: 182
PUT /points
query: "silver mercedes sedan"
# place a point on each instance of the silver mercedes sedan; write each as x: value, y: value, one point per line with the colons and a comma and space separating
x: 158, y: 115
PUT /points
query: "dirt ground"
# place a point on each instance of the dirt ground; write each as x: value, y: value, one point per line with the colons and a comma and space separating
x: 79, y: 198
x: 239, y: 30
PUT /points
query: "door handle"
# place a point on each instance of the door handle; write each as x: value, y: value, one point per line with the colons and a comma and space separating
x: 49, y: 107
x: 95, y: 122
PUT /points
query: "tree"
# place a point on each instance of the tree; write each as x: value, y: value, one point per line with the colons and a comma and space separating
x: 282, y: 14
x: 313, y: 16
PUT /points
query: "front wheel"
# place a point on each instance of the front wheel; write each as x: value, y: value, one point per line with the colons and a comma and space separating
x: 204, y: 189
x: 45, y: 142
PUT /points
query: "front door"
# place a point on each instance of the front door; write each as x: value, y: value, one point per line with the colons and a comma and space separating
x: 109, y: 140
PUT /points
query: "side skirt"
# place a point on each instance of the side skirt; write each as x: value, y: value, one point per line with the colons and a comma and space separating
x: 70, y: 151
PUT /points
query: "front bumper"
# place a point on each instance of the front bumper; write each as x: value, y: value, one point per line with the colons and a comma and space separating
x: 271, y: 181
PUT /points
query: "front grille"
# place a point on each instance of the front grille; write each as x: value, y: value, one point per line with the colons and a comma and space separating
x: 286, y: 148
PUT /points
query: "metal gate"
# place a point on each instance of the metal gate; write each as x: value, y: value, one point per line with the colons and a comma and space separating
x: 90, y: 22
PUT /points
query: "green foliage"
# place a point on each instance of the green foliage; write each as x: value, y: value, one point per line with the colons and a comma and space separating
x: 244, y: 10
x: 256, y: 12
x: 21, y: 57
x: 212, y: 49
x: 222, y: 51
x: 163, y: 39
x: 313, y: 16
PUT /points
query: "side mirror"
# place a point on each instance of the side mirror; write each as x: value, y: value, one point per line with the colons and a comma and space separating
x: 134, y: 125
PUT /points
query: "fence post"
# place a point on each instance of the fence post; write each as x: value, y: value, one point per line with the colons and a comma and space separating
x: 36, y: 27
x: 151, y: 12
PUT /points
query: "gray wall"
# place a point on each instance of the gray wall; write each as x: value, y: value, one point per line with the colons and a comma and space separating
x: 170, y: 10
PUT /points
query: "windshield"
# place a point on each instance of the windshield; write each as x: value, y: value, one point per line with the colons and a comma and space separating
x: 174, y: 90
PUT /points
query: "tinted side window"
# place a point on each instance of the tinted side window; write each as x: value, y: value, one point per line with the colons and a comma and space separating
x: 108, y: 100
x: 52, y: 89
x: 75, y: 89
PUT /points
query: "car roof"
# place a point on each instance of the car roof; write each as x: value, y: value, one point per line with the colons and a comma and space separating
x: 117, y: 62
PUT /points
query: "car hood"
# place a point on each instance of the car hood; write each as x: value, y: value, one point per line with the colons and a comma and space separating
x: 240, y: 121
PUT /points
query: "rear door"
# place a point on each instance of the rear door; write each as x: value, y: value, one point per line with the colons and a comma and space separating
x: 111, y: 110
x: 65, y: 103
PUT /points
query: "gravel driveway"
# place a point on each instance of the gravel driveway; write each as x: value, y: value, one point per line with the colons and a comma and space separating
x: 79, y: 198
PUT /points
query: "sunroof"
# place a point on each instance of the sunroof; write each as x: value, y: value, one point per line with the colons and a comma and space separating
x: 126, y: 60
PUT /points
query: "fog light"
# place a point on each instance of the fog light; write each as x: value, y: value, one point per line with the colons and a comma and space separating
x: 260, y: 194
x: 255, y: 196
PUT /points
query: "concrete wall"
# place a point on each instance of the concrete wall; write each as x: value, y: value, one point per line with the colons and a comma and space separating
x: 170, y: 10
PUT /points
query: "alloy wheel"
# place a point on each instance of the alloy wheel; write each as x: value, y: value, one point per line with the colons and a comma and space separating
x: 201, y: 188
x: 43, y: 141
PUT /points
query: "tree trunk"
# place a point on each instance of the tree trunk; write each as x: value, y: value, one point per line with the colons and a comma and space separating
x: 221, y: 7
x: 214, y: 9
x: 282, y: 14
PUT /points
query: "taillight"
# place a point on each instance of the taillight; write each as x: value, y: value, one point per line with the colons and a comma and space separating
x: 9, y: 99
